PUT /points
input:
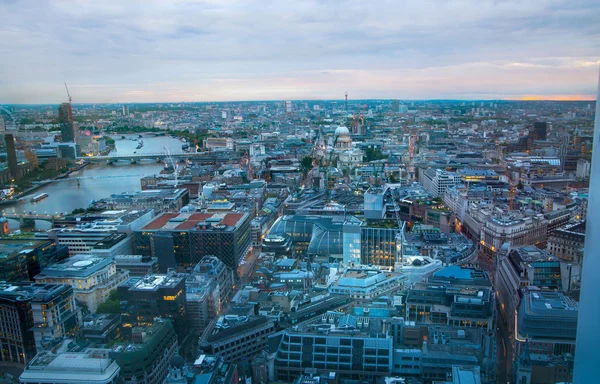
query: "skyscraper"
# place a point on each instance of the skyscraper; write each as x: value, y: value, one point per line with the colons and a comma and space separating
x: 588, y: 332
x: 65, y: 119
x: 540, y: 130
x: 12, y: 156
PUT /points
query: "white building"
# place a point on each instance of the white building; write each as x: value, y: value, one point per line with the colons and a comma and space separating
x: 92, y: 278
x: 583, y: 169
x: 92, y: 366
x: 367, y: 283
x: 436, y: 181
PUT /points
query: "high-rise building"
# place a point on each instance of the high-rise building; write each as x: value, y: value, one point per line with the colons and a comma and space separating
x: 34, y: 317
x: 182, y: 239
x: 588, y: 332
x: 288, y: 106
x: 540, y: 130
x: 11, y: 153
x: 65, y: 119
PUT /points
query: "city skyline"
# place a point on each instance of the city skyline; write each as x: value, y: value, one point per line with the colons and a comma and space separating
x: 231, y: 51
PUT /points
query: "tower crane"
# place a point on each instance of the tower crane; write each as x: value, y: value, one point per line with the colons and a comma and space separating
x: 173, y: 164
x: 508, y: 176
x: 68, y: 94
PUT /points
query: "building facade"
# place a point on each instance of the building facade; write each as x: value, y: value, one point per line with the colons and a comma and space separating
x: 153, y: 296
x: 184, y: 239
x: 92, y: 278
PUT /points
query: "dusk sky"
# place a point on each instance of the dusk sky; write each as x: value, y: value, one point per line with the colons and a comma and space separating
x: 167, y: 50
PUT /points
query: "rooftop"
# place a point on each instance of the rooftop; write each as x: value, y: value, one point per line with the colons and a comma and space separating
x: 39, y: 292
x: 67, y: 364
x: 198, y: 221
x: 75, y: 266
x: 153, y: 282
x: 150, y: 194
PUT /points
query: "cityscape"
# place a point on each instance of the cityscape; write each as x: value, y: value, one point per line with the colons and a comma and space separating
x: 346, y: 239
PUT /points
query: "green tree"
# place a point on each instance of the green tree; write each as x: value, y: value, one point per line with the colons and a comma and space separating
x: 306, y: 164
x: 111, y: 305
x: 373, y: 154
x: 520, y: 185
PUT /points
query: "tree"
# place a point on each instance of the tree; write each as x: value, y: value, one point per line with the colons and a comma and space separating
x: 520, y: 185
x: 111, y: 305
x: 306, y: 164
x: 373, y: 154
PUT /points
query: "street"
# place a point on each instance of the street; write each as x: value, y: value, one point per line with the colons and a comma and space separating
x: 504, y: 369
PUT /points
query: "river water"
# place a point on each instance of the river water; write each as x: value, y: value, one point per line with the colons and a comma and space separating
x: 98, y: 180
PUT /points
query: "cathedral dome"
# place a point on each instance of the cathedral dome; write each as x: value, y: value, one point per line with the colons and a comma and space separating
x: 342, y: 131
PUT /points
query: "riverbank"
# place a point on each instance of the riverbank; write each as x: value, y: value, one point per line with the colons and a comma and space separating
x: 39, y: 184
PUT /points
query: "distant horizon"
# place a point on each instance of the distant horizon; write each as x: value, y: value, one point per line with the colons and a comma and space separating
x: 350, y: 101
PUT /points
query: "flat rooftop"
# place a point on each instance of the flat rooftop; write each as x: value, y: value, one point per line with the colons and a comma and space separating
x: 27, y: 291
x: 75, y: 266
x: 150, y: 194
x: 187, y: 221
x: 152, y: 282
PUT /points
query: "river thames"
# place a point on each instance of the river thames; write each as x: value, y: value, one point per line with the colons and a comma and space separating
x: 98, y: 180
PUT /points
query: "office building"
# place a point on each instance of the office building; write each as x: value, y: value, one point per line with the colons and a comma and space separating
x: 92, y: 278
x: 138, y: 266
x: 540, y: 130
x: 436, y: 181
x: 381, y: 243
x: 101, y: 328
x: 121, y: 220
x: 374, y: 203
x: 208, y: 289
x: 100, y: 241
x: 160, y: 200
x: 11, y: 153
x: 91, y: 366
x: 518, y: 230
x: 588, y: 335
x: 146, y: 358
x: 583, y: 169
x: 65, y: 120
x: 567, y: 242
x: 236, y: 337
x: 351, y: 346
x: 153, y: 296
x: 288, y: 106
x: 456, y: 296
x: 367, y: 284
x: 183, y: 239
x: 545, y: 329
x: 48, y: 312
x: 526, y: 267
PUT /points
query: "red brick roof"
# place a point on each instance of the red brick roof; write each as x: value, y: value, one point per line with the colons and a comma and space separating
x: 231, y: 219
x: 160, y: 221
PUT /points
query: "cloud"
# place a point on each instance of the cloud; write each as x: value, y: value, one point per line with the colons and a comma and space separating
x: 139, y: 50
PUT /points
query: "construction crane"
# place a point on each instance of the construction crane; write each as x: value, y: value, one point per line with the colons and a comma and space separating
x: 68, y: 94
x: 325, y: 168
x: 173, y: 164
x: 508, y: 176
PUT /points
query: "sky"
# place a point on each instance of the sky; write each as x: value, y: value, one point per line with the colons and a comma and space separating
x: 225, y: 50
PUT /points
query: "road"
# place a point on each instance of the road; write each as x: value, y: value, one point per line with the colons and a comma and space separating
x: 505, y: 358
